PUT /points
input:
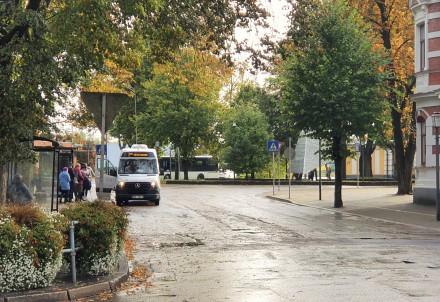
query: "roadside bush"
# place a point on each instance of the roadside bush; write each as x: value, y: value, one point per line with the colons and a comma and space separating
x: 31, y: 247
x: 101, y: 231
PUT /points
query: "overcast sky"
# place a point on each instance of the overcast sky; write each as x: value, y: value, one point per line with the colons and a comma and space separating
x: 278, y: 27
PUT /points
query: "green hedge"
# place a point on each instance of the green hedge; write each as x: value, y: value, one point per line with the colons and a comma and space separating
x: 101, y: 232
x: 32, y: 242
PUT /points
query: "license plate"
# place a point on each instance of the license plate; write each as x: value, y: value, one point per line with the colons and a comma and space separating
x: 137, y: 196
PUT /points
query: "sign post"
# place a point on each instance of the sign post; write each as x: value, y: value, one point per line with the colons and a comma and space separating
x: 290, y: 163
x: 320, y: 172
x: 273, y: 147
x: 104, y: 108
x: 280, y: 145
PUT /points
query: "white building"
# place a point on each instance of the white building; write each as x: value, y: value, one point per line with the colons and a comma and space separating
x: 427, y: 71
x: 306, y: 155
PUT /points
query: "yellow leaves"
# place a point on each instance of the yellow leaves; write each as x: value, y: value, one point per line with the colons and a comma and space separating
x: 394, y: 27
x: 141, y: 272
x: 105, y: 296
x: 138, y: 278
x: 129, y: 248
x: 200, y: 72
x: 115, y: 80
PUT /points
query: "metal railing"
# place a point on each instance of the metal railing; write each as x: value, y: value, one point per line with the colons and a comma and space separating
x: 72, y: 250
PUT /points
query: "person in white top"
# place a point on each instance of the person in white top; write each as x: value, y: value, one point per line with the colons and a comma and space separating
x: 90, y: 171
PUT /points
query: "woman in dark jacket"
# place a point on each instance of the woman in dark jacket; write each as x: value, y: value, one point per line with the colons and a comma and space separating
x: 80, y: 181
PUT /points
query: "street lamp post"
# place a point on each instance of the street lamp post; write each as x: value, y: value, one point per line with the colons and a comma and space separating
x: 135, y: 115
x: 363, y: 159
x: 357, y: 147
x: 234, y: 126
x: 435, y: 117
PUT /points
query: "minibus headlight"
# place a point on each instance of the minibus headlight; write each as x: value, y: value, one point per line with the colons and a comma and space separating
x: 121, y: 184
x: 153, y: 185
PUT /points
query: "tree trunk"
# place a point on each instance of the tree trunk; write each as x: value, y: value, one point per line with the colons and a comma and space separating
x: 3, y: 183
x: 336, y: 145
x: 404, y: 150
x: 404, y: 156
x: 365, y: 160
x: 344, y: 169
x: 177, y: 168
x: 185, y: 166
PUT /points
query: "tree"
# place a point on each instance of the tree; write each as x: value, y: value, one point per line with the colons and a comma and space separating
x: 27, y: 61
x: 48, y: 46
x: 47, y: 49
x: 161, y: 27
x: 246, y: 132
x: 268, y: 102
x: 182, y: 106
x: 393, y: 23
x: 334, y: 89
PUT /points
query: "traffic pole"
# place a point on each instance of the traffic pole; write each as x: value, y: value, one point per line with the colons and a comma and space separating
x: 273, y: 174
x: 290, y: 163
x: 279, y: 165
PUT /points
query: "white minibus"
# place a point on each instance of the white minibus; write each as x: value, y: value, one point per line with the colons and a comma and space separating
x: 138, y: 175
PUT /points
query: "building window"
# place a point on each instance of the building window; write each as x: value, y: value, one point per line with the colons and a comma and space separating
x: 422, y: 46
x: 423, y: 143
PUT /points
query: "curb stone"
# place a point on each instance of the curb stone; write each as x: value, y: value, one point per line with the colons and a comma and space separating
x: 71, y: 294
x: 44, y: 297
x: 88, y: 290
x: 122, y: 275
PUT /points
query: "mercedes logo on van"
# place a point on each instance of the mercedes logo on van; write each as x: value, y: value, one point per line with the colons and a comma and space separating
x: 137, y: 185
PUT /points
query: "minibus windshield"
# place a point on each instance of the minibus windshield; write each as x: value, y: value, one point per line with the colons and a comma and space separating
x: 137, y: 166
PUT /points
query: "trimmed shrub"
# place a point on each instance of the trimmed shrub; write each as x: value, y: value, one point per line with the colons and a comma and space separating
x: 31, y: 247
x: 101, y: 231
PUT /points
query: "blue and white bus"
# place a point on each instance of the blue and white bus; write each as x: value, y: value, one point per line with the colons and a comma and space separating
x: 200, y: 167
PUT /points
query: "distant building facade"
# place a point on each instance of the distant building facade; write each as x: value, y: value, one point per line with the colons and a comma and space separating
x: 307, y: 158
x: 306, y: 155
x: 427, y: 71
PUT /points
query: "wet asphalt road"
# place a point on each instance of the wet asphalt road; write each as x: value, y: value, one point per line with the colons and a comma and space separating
x: 230, y: 243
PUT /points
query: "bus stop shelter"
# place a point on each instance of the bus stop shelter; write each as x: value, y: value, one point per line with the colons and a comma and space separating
x: 41, y: 177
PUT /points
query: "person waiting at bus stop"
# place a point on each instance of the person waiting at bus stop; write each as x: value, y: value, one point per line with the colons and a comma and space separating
x: 18, y: 192
x: 79, y: 184
x: 64, y: 179
x: 72, y: 181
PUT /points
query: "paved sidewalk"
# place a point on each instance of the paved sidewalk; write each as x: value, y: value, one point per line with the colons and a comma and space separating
x: 374, y: 202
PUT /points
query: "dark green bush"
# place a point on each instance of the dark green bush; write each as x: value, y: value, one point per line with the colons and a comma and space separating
x: 101, y: 232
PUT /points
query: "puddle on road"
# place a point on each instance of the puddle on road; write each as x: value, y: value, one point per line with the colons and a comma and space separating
x: 337, y: 216
x: 197, y: 242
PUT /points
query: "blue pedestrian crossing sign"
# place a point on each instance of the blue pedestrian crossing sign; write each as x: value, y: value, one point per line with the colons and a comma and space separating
x: 273, y: 146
